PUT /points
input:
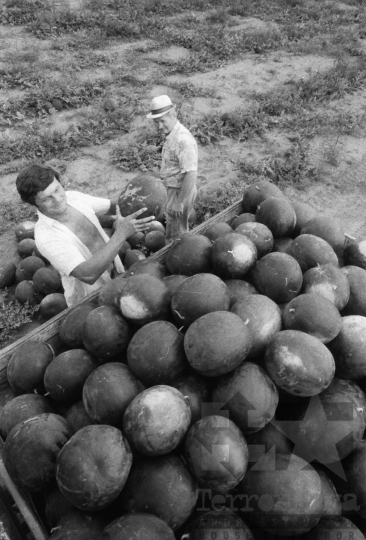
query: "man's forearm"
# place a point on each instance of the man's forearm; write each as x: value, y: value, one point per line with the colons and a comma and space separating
x: 91, y: 270
x: 189, y: 182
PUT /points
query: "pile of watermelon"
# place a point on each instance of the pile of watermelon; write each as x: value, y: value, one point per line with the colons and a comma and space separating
x: 33, y: 279
x: 220, y: 395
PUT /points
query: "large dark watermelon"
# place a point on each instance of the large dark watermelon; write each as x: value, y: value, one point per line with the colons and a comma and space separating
x: 239, y: 289
x: 328, y: 281
x: 189, y: 255
x: 278, y: 214
x: 110, y: 293
x: 139, y: 526
x: 71, y: 327
x: 299, y: 363
x: 259, y: 234
x: 356, y: 304
x: 56, y: 505
x: 31, y: 449
x: 93, y: 467
x: 278, y: 276
x: 355, y: 468
x: 249, y: 395
x: 144, y: 299
x: 216, y: 343
x: 147, y: 266
x: 198, y: 295
x: 258, y: 192
x: 7, y: 274
x: 262, y: 317
x: 77, y: 525
x: 332, y: 503
x: 217, y: 229
x: 326, y: 428
x: 156, y: 421
x: 283, y: 497
x: 20, y: 409
x: 46, y: 280
x: 197, y: 390
x: 162, y: 486
x: 65, y: 376
x: 52, y: 305
x: 143, y: 191
x: 25, y: 229
x: 233, y: 255
x: 27, y: 366
x: 106, y: 333
x: 108, y: 391
x: 29, y: 265
x: 216, y: 452
x: 77, y: 416
x: 313, y: 314
x: 328, y: 228
x: 304, y: 213
x: 173, y: 282
x: 156, y: 353
x: 355, y: 254
x: 349, y: 348
x: 310, y: 251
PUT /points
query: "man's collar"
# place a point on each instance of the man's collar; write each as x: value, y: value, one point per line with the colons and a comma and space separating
x: 175, y: 128
x: 44, y: 218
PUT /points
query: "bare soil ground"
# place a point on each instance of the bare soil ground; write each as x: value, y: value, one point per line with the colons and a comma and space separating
x: 285, y: 73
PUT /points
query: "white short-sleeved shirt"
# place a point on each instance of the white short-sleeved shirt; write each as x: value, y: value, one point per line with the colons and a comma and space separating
x: 179, y: 156
x: 64, y: 249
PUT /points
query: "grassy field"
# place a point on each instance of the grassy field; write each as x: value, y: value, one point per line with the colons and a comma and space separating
x: 270, y: 88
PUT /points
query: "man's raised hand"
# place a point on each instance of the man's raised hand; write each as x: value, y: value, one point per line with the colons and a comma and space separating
x: 129, y: 225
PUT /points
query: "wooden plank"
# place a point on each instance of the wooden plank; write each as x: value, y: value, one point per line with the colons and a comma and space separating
x: 49, y: 330
x: 23, y: 502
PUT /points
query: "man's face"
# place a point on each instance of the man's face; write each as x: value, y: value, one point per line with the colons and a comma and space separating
x: 166, y: 123
x: 52, y: 201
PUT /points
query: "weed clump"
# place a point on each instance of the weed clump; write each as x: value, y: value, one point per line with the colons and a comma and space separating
x: 208, y: 205
x: 143, y: 155
x: 13, y: 315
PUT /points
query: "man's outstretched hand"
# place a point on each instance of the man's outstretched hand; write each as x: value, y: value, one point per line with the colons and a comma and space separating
x: 175, y: 209
x: 129, y: 225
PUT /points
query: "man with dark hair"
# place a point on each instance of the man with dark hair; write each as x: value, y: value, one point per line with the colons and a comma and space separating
x: 68, y: 232
x: 178, y: 167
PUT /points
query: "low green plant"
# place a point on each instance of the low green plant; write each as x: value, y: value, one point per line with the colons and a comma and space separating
x: 209, y: 204
x: 294, y: 167
x: 238, y: 124
x: 143, y: 155
x: 19, y: 76
x: 44, y: 144
x: 344, y: 78
x: 13, y: 315
x: 16, y: 12
x: 35, y: 103
x: 12, y: 212
x: 207, y: 130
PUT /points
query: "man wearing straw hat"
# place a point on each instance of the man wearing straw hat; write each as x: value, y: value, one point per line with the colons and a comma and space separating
x: 178, y: 167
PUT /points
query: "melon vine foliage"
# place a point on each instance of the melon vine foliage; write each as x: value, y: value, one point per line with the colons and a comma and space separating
x: 13, y: 315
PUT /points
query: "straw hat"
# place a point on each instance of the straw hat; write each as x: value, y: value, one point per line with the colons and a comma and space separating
x: 159, y: 106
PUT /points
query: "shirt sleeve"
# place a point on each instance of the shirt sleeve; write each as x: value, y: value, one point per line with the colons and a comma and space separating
x: 61, y: 254
x: 98, y: 204
x: 187, y: 156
